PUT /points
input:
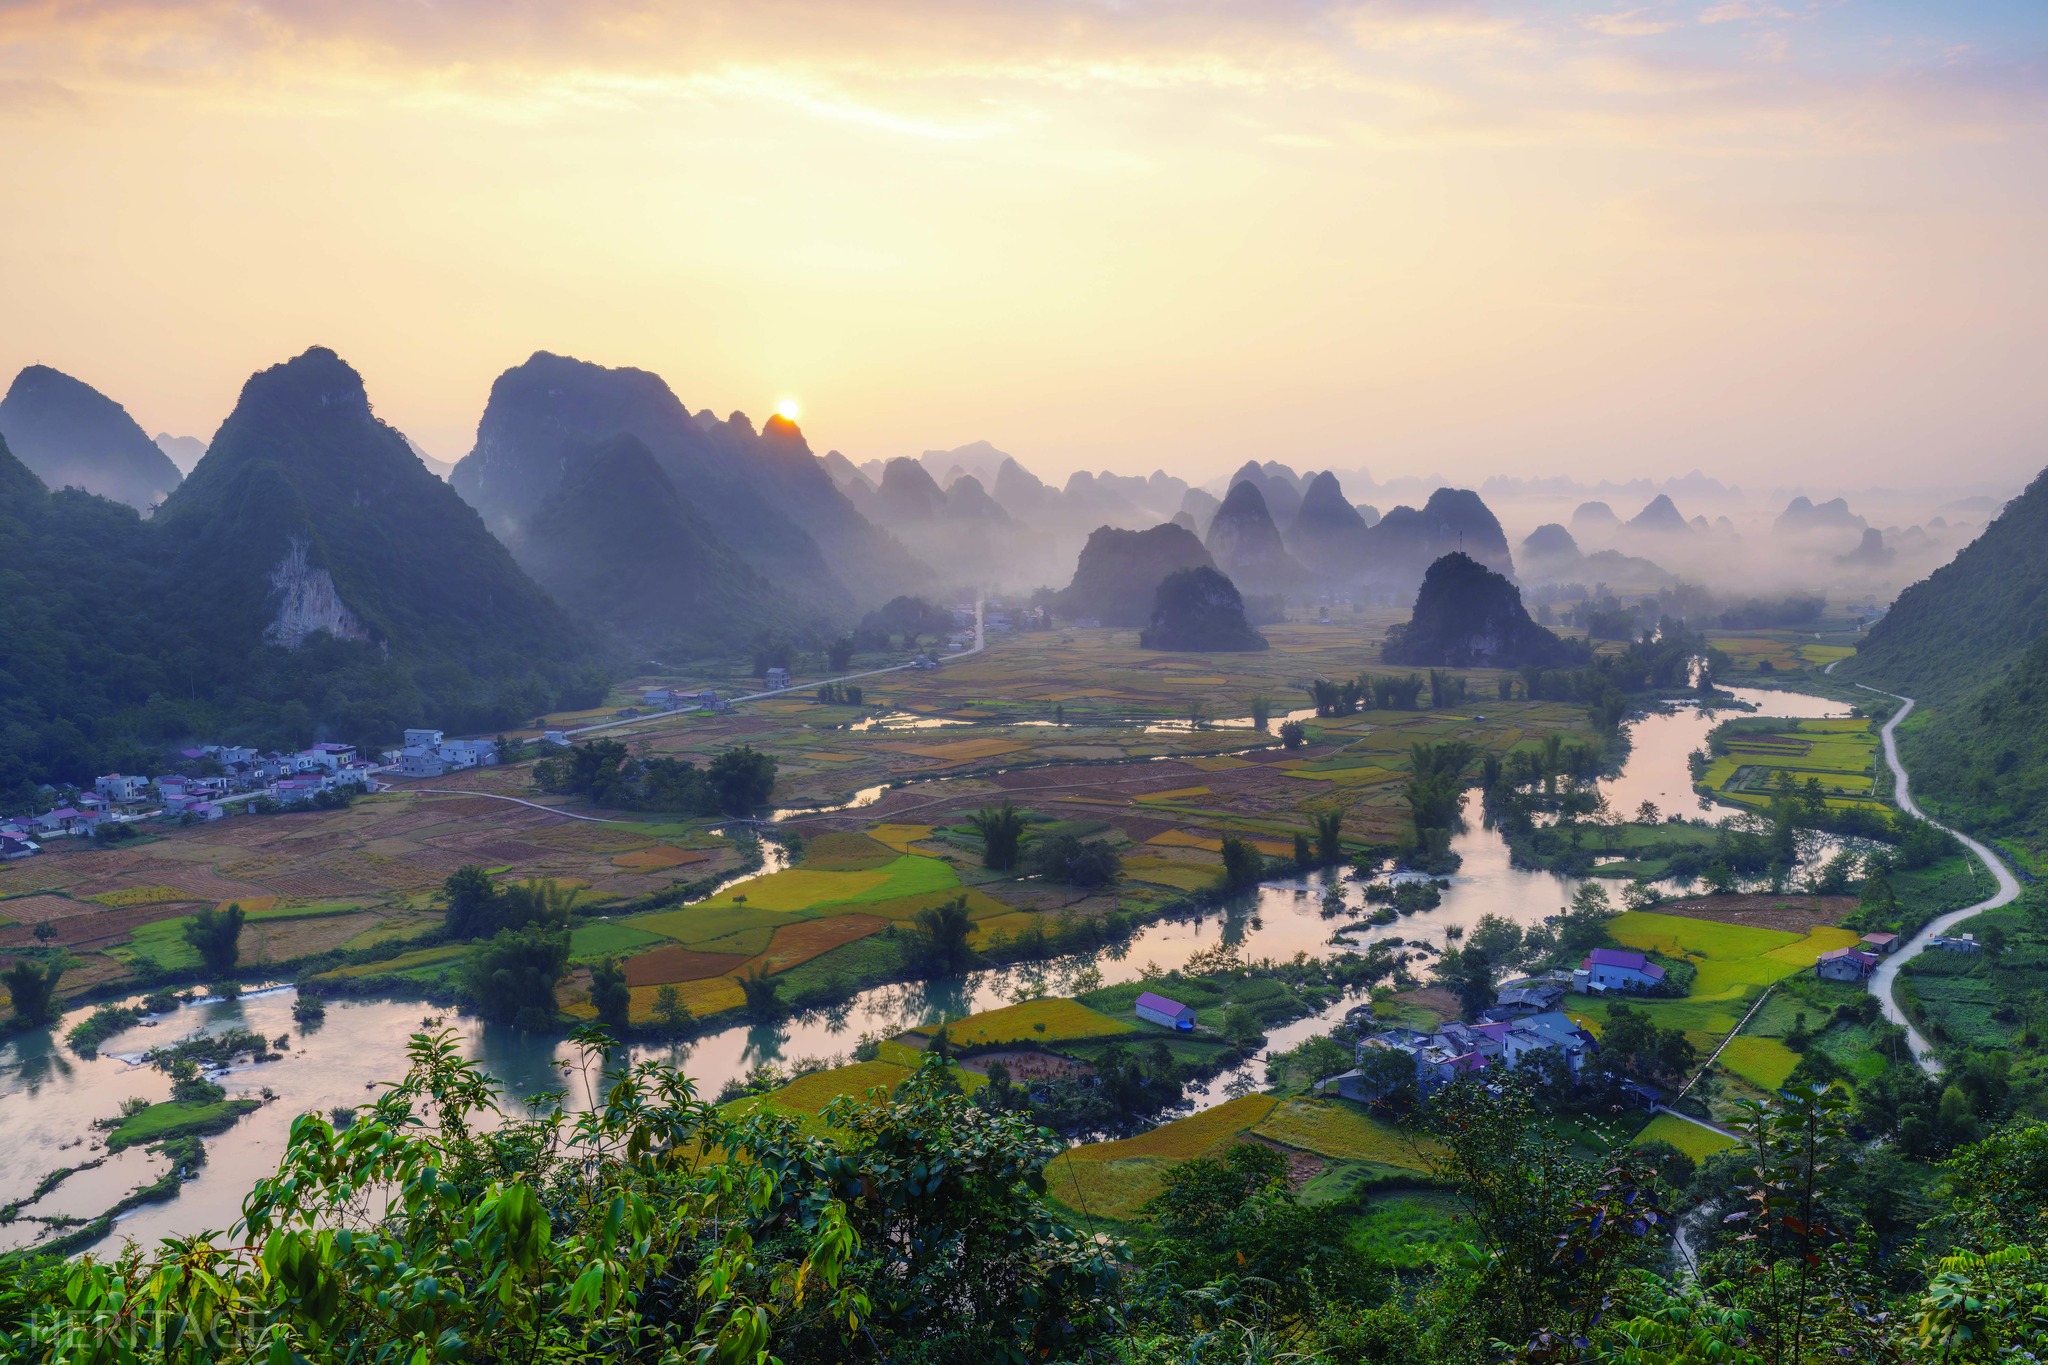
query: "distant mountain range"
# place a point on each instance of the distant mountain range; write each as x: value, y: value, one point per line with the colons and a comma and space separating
x: 766, y: 495
x: 73, y: 436
x: 311, y: 578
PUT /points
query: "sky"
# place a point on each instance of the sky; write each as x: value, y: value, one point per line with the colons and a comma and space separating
x: 1783, y: 241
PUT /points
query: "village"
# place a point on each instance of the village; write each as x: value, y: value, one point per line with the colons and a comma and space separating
x: 216, y: 777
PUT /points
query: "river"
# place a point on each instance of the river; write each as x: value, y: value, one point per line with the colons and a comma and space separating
x: 49, y: 1098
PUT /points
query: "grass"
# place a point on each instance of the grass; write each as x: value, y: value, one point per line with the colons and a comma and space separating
x: 806, y: 1097
x: 1332, y: 1129
x: 1407, y: 1230
x: 1765, y: 1063
x: 1034, y: 1021
x: 1696, y: 1142
x: 804, y: 888
x: 175, y: 1118
x: 847, y: 853
x: 604, y: 938
x: 421, y: 963
x: 1194, y: 1136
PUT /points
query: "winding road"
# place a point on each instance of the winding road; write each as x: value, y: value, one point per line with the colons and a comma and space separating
x: 1886, y: 976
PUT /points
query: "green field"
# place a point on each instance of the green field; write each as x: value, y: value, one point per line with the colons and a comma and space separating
x: 1749, y: 757
x: 1034, y: 1021
x: 1696, y: 1142
x: 175, y: 1118
x: 1733, y: 964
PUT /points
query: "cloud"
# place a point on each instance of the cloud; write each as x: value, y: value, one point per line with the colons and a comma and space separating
x: 1628, y: 23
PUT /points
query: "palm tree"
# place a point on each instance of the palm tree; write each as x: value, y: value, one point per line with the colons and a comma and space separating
x: 1329, y: 837
x: 1002, y: 835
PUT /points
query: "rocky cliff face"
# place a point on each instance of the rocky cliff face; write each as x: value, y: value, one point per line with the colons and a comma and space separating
x: 310, y: 518
x: 307, y: 602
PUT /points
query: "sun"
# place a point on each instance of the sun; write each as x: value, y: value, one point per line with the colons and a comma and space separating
x: 787, y: 409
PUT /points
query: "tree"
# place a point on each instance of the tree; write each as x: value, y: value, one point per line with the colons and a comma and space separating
x: 1002, y: 834
x: 1293, y: 734
x: 216, y: 936
x: 1329, y: 837
x: 610, y: 995
x: 469, y: 903
x: 1262, y: 713
x: 839, y: 654
x: 943, y: 937
x: 763, y: 995
x: 1242, y: 863
x: 742, y: 778
x: 1084, y: 863
x: 32, y: 986
x: 511, y: 977
x: 670, y: 1011
x: 1304, y: 852
x: 536, y: 900
x: 1470, y: 974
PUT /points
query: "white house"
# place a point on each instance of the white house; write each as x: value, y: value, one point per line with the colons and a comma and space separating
x: 1172, y: 1014
x: 170, y: 787
x: 558, y: 738
x: 657, y: 696
x: 777, y: 679
x: 468, y: 753
x: 422, y: 739
x: 418, y: 760
x: 116, y: 787
x: 15, y: 843
x: 1616, y: 969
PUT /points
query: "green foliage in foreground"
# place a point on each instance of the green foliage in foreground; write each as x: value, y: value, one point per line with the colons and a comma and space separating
x: 655, y: 1228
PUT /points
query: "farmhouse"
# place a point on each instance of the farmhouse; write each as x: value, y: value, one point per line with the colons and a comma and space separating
x: 1959, y: 943
x: 15, y: 843
x: 1845, y: 964
x: 1459, y: 1049
x: 1616, y: 969
x: 1172, y: 1014
x: 1516, y: 999
x: 1881, y: 943
x: 115, y: 787
x: 777, y: 679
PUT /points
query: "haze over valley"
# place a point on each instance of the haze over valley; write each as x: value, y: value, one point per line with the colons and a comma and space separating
x: 1090, y: 684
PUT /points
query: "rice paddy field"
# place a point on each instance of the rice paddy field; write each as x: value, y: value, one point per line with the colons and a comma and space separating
x: 1130, y: 765
x: 1322, y: 1139
x: 1696, y: 1142
x: 1842, y: 754
x: 1733, y: 965
x: 313, y: 882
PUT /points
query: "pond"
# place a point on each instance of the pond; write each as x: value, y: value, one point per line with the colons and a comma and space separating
x: 49, y: 1098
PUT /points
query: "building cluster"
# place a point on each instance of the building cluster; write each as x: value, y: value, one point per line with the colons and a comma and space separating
x: 1857, y: 963
x: 426, y: 753
x: 237, y: 773
x: 676, y: 699
x: 1460, y: 1049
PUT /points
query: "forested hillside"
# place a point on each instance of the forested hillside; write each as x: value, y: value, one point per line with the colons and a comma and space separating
x: 1970, y: 643
x: 1949, y: 635
x: 310, y: 579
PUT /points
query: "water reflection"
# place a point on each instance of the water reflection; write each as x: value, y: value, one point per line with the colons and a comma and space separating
x: 49, y: 1098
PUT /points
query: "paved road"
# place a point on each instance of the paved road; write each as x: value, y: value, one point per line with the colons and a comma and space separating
x: 980, y: 643
x: 1886, y: 976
